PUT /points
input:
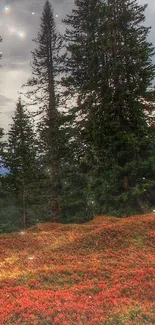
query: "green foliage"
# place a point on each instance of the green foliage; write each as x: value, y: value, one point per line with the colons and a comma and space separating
x: 44, y: 94
x: 110, y: 68
x: 41, y: 87
x: 99, y: 156
x: 73, y: 202
x: 21, y: 161
x: 1, y: 141
x: 10, y: 214
x: 72, y: 198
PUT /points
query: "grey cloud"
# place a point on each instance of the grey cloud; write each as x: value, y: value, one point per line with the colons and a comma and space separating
x: 10, y: 113
x: 17, y: 64
x: 4, y: 101
x: 21, y: 17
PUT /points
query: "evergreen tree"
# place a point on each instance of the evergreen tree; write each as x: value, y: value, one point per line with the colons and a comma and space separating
x: 1, y: 187
x: 1, y: 141
x: 74, y: 206
x: 109, y: 66
x: 21, y: 161
x: 44, y: 93
x: 83, y: 43
x: 80, y: 69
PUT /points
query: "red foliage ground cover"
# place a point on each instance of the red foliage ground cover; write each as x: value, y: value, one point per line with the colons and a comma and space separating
x: 99, y: 273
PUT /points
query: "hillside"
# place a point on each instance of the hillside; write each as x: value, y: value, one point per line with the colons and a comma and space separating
x: 98, y: 273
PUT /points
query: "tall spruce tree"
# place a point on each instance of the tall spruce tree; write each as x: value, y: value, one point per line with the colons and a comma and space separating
x: 74, y: 206
x: 2, y: 147
x: 1, y: 188
x: 43, y: 93
x: 21, y: 161
x: 109, y: 66
x: 80, y: 66
x: 83, y: 42
x: 1, y: 141
x: 8, y: 212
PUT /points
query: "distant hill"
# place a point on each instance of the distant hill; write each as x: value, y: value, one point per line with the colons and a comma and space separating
x: 98, y: 273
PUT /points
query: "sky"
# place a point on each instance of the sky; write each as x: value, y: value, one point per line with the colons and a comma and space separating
x: 19, y: 24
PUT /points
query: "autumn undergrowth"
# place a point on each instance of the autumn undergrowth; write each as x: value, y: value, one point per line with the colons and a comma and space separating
x: 98, y: 273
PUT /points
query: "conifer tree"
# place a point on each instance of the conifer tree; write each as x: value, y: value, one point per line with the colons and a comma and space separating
x: 8, y: 212
x: 110, y: 67
x: 21, y: 160
x: 1, y: 141
x: 80, y: 68
x: 83, y: 42
x: 43, y: 93
x: 74, y: 206
x: 1, y: 188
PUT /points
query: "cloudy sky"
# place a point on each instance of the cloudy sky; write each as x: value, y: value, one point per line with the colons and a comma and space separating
x: 19, y: 24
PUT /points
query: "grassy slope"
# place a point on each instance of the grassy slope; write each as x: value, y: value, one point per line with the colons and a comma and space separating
x: 99, y: 273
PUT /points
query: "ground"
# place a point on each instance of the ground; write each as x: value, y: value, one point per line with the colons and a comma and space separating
x: 98, y: 273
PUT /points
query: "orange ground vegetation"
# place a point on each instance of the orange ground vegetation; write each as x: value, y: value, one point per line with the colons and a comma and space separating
x: 98, y: 273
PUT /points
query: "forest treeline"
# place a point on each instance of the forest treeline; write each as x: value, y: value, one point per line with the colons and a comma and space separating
x: 82, y: 137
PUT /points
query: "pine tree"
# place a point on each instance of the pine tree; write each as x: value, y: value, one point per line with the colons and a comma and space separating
x: 21, y: 160
x: 83, y: 42
x: 110, y: 68
x: 1, y: 187
x: 1, y: 141
x: 44, y: 93
x: 80, y: 67
x: 125, y: 138
x: 2, y: 149
x: 74, y: 206
x: 8, y: 216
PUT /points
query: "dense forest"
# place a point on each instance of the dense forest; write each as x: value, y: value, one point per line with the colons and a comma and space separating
x: 82, y: 137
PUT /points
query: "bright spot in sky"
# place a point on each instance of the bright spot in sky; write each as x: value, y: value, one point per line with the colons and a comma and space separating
x: 7, y: 9
x: 33, y: 13
x: 21, y: 34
